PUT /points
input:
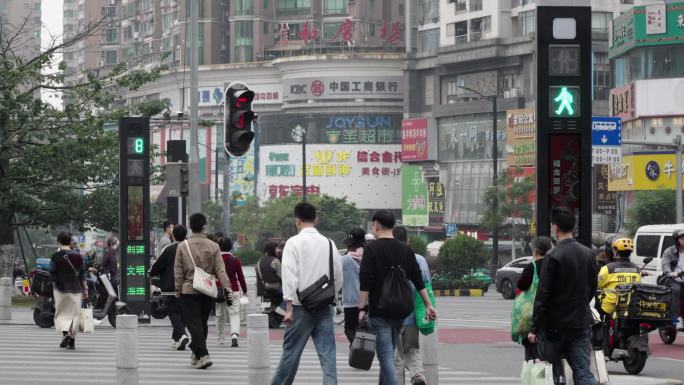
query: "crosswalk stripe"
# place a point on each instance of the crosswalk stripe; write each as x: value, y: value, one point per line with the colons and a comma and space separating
x: 159, y: 364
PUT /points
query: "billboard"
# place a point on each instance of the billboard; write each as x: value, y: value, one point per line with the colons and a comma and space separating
x: 622, y: 102
x: 643, y: 172
x: 661, y: 24
x: 521, y: 131
x: 367, y: 175
x: 242, y: 177
x: 414, y: 139
x: 414, y: 210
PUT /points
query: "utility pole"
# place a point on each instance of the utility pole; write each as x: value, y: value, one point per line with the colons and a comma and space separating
x: 195, y: 204
x: 226, y: 196
x: 495, y: 200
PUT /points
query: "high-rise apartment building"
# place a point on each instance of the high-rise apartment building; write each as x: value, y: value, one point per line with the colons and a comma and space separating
x: 22, y: 17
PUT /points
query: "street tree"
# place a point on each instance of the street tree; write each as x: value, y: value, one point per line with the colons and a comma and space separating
x: 514, y: 210
x: 459, y: 255
x: 650, y: 208
x: 59, y: 164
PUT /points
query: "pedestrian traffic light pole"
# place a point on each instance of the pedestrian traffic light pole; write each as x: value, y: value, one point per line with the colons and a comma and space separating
x: 194, y: 198
x: 495, y: 175
x: 676, y: 145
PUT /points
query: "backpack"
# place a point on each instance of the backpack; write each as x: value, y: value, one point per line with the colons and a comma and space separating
x: 396, y: 297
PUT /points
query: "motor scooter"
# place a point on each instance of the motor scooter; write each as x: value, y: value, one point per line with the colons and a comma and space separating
x: 668, y: 333
x: 640, y: 309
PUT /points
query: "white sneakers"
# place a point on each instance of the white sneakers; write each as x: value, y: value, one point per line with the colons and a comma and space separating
x: 181, y: 343
x: 193, y: 359
x: 221, y: 339
x: 203, y: 362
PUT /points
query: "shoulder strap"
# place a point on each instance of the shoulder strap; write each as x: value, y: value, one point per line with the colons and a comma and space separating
x: 187, y: 246
x: 332, y: 271
x: 66, y: 257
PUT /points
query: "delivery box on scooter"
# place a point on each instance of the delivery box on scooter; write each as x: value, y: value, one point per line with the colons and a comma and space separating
x: 644, y: 302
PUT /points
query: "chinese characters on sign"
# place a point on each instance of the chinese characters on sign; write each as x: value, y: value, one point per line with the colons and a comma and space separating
x: 622, y: 102
x: 359, y: 129
x: 415, y: 197
x: 414, y: 139
x: 604, y: 200
x: 521, y: 128
x: 308, y: 33
x: 391, y: 34
x: 564, y: 170
x: 281, y: 191
x: 351, y: 87
x: 435, y: 201
x: 346, y: 32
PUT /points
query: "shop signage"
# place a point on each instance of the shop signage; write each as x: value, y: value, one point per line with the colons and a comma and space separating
x: 644, y: 172
x: 351, y: 87
x: 521, y: 128
x: 414, y: 197
x: 660, y: 24
x: 414, y: 139
x: 605, y: 202
x: 622, y: 102
x: 564, y: 170
x: 435, y: 201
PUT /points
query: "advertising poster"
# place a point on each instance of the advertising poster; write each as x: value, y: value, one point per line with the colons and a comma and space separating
x: 565, y: 170
x: 414, y: 197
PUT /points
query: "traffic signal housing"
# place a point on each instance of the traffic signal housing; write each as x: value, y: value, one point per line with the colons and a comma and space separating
x: 238, y: 132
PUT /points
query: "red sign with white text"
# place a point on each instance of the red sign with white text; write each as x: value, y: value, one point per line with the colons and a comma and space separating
x: 414, y: 139
x: 565, y: 170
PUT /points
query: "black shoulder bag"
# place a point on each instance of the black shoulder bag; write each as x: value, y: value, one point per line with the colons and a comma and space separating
x: 322, y: 292
x: 396, y: 298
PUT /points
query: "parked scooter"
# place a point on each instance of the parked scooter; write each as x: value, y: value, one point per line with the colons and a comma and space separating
x: 640, y: 309
x: 668, y: 333
x: 104, y: 299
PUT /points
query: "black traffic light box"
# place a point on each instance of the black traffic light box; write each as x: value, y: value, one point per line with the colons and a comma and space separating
x: 134, y: 214
x: 238, y: 119
x: 564, y: 115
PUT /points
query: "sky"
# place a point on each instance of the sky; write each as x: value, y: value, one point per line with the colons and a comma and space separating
x: 51, y: 11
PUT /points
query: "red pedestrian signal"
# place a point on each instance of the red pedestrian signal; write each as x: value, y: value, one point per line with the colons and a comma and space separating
x: 238, y: 132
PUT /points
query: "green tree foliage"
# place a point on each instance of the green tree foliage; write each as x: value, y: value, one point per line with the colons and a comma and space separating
x: 650, y: 208
x: 461, y: 254
x: 418, y: 245
x: 60, y: 164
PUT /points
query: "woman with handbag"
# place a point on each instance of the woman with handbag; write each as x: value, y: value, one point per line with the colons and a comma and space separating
x: 197, y: 266
x: 70, y: 289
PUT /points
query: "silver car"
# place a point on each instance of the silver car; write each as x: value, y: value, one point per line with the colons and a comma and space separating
x: 507, y: 277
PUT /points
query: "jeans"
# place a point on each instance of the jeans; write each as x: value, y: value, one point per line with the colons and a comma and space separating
x: 233, y: 312
x: 319, y: 326
x: 196, y: 309
x: 386, y: 332
x: 407, y: 356
x: 176, y: 317
x: 575, y: 346
x: 676, y: 296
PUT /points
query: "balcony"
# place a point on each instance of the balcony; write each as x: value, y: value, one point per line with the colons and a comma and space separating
x: 294, y: 11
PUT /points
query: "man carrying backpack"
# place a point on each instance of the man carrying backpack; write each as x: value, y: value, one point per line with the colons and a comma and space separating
x: 387, y: 269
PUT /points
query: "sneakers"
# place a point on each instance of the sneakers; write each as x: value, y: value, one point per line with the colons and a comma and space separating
x: 221, y: 339
x: 193, y: 359
x: 182, y: 342
x: 204, y: 362
x: 72, y: 344
x: 174, y: 344
x: 234, y: 343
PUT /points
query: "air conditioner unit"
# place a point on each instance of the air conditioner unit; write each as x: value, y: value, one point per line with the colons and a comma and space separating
x: 100, y: 63
x: 136, y: 35
x: 175, y: 22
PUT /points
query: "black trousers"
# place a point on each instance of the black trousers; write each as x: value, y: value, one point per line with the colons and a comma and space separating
x: 676, y: 296
x: 176, y: 317
x: 351, y: 322
x: 196, y: 309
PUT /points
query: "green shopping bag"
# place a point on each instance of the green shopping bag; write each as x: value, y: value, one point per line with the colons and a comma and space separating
x: 426, y: 327
x: 523, y: 307
x: 536, y: 373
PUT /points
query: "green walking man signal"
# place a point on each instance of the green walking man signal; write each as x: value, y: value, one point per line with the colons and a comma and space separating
x: 564, y: 101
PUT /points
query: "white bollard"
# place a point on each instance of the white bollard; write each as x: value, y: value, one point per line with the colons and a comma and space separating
x: 127, y: 350
x: 6, y: 289
x: 259, y: 360
x: 428, y: 345
x: 253, y: 307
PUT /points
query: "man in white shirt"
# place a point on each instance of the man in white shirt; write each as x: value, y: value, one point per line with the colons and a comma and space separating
x: 306, y: 258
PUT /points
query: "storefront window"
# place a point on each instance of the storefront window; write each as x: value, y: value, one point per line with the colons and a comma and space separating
x: 470, y: 137
x: 649, y: 63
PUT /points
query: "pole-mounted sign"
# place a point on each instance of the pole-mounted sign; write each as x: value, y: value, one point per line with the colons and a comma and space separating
x: 134, y: 213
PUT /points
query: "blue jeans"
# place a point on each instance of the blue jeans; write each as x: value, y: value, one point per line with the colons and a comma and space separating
x: 317, y: 325
x: 386, y: 333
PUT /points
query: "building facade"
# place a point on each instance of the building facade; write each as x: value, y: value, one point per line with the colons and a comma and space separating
x: 22, y: 18
x: 465, y: 52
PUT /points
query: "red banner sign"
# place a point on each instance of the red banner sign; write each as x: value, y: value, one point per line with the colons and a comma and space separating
x: 414, y: 139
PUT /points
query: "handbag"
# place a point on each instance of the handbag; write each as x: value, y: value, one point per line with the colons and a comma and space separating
x: 523, y: 309
x: 396, y: 298
x: 536, y: 373
x: 362, y: 351
x: 273, y: 288
x: 85, y: 320
x: 322, y: 292
x: 202, y: 281
x: 425, y: 326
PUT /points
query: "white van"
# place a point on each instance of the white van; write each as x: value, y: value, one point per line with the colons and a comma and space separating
x: 652, y: 241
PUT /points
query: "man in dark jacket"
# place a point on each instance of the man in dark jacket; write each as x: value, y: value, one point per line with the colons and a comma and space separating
x: 561, y: 309
x: 673, y: 265
x: 163, y: 268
